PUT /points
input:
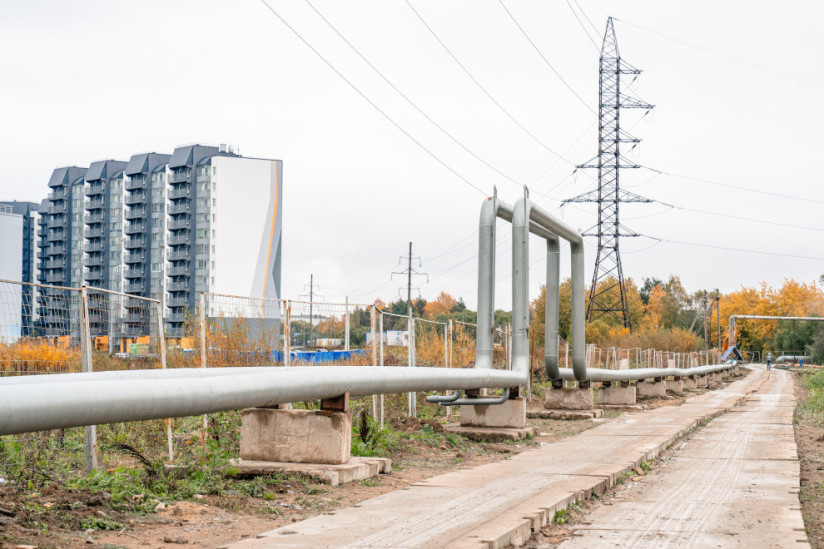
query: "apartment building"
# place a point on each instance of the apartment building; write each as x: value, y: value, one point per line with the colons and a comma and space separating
x: 164, y: 226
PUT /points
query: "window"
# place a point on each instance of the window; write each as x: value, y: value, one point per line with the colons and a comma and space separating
x: 202, y: 264
x: 155, y: 237
x: 76, y: 217
x: 156, y: 267
x: 203, y: 202
x: 155, y: 207
x: 117, y: 226
x: 203, y: 233
x: 202, y: 248
x: 213, y: 268
x: 213, y: 248
x: 203, y: 218
x: 155, y: 222
x: 115, y: 256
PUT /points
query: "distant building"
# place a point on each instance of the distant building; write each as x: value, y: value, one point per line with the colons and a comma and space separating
x: 169, y: 227
x: 19, y: 261
x: 398, y: 338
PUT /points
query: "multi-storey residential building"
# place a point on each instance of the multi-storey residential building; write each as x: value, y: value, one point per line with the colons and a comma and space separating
x: 28, y: 249
x: 169, y: 227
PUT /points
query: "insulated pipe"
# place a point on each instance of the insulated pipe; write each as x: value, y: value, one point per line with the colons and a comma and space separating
x: 27, y: 407
x: 520, y: 286
x: 601, y: 374
x: 551, y: 308
x: 443, y: 399
x: 731, y: 332
x: 478, y: 401
x: 576, y: 242
x: 492, y: 209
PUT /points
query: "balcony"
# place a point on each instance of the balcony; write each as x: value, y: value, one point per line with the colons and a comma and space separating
x: 94, y: 246
x: 180, y: 176
x: 136, y: 318
x: 180, y: 222
x: 54, y: 264
x: 95, y: 231
x: 54, y: 277
x: 58, y: 208
x: 135, y: 212
x: 178, y: 270
x: 180, y: 207
x: 94, y: 217
x: 133, y: 272
x: 56, y: 249
x: 95, y: 260
x: 180, y: 237
x: 56, y: 236
x: 55, y: 221
x: 178, y: 255
x: 135, y: 183
x: 59, y: 193
x: 94, y: 275
x: 95, y: 203
x: 134, y: 242
x: 137, y: 197
x: 135, y: 227
x: 178, y: 286
x: 133, y: 287
x: 176, y: 317
x: 94, y: 188
x: 134, y: 257
x: 181, y: 191
x: 177, y: 302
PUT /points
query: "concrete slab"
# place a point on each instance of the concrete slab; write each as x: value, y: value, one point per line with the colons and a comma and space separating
x: 650, y: 389
x: 492, y: 434
x: 616, y: 395
x: 675, y: 387
x: 701, y: 381
x: 688, y: 383
x: 569, y: 398
x: 511, y: 414
x: 565, y: 414
x: 358, y: 468
x: 734, y: 484
x: 499, y: 503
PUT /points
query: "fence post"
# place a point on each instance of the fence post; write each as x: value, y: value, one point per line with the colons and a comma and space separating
x: 373, y: 327
x: 287, y: 330
x: 162, y: 340
x: 413, y: 402
x: 205, y: 425
x: 380, y: 333
x: 346, y: 327
x: 87, y: 366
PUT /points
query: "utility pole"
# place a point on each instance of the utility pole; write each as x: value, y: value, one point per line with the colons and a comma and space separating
x: 718, y: 316
x: 311, y: 296
x: 607, y: 294
x: 707, y: 314
x: 409, y: 272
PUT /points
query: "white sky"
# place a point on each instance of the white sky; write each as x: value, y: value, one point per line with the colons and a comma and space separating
x: 84, y: 81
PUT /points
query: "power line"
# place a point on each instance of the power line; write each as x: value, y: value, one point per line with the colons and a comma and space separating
x: 375, y: 106
x: 481, y: 87
x: 739, y: 217
x: 546, y: 61
x: 734, y: 59
x: 737, y: 187
x: 408, y: 100
x: 584, y: 13
x: 581, y: 23
x: 777, y: 254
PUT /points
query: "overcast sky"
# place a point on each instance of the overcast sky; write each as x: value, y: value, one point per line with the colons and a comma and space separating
x: 84, y: 81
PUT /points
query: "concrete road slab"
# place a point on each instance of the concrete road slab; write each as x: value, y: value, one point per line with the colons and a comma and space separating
x: 734, y: 484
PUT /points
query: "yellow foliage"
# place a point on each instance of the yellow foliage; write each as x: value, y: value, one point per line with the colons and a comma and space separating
x: 38, y: 356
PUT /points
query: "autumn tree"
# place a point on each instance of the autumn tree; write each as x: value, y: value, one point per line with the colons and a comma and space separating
x: 442, y: 305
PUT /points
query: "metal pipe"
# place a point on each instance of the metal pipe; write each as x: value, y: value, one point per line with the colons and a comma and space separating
x: 552, y: 308
x: 41, y: 406
x: 479, y: 401
x: 601, y: 374
x: 444, y: 398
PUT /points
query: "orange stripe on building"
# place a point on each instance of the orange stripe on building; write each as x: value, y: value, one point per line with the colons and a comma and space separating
x: 272, y: 230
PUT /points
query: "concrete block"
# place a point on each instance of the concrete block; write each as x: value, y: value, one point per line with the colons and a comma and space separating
x: 701, y: 381
x: 511, y: 413
x: 652, y: 388
x: 676, y: 387
x: 300, y: 436
x: 688, y: 383
x: 565, y: 414
x: 569, y: 398
x: 616, y: 395
x: 357, y: 468
x: 492, y: 434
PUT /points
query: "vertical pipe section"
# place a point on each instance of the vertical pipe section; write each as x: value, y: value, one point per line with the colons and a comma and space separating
x: 551, y: 309
x: 486, y: 283
x: 520, y: 286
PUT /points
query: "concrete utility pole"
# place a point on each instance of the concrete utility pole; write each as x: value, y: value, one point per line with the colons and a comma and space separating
x: 718, y: 316
x: 409, y: 272
x: 706, y: 324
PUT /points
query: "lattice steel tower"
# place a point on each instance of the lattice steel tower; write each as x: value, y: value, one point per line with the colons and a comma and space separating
x: 607, y: 294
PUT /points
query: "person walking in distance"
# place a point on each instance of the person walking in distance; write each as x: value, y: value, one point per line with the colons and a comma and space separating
x: 769, y: 360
